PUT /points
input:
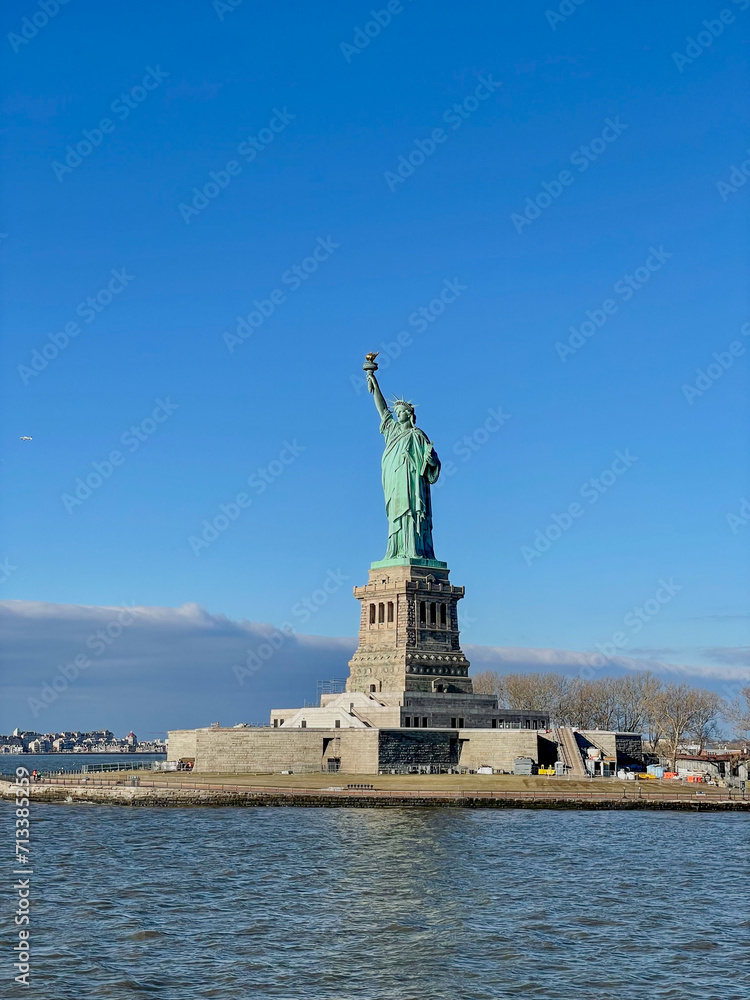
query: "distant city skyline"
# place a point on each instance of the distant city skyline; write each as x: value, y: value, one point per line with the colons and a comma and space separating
x: 99, y: 741
x: 540, y: 224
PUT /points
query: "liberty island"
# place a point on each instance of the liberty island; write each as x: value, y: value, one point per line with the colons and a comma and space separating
x: 408, y: 703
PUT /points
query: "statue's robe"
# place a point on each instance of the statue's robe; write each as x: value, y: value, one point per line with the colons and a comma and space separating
x: 410, y: 465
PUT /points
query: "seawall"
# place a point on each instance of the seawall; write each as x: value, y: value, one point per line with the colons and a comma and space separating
x: 122, y: 795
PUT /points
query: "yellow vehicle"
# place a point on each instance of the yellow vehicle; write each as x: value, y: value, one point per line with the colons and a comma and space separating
x: 546, y: 770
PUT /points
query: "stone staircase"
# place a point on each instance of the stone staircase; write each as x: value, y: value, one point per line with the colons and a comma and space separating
x: 571, y: 752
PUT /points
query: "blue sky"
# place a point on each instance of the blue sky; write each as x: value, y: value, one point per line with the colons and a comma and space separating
x: 316, y: 133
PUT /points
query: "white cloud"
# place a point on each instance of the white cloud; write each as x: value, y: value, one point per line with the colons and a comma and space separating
x: 730, y: 655
x: 506, y: 658
x: 175, y: 667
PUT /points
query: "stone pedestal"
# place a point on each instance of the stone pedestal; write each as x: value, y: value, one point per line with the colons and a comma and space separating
x: 408, y: 632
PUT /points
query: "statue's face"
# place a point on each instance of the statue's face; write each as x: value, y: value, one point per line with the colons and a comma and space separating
x: 403, y: 415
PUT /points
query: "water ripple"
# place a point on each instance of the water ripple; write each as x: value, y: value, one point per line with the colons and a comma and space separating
x: 346, y: 904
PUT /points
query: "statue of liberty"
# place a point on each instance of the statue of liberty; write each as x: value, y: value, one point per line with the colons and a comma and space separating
x: 410, y: 466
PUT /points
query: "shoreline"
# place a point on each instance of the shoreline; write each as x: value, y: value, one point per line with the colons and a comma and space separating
x: 163, y: 796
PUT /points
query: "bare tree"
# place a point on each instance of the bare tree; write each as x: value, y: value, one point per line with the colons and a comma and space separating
x: 634, y: 703
x: 635, y: 693
x: 705, y: 725
x: 737, y: 712
x: 534, y: 692
x: 653, y: 722
x: 582, y: 704
x: 607, y: 702
x: 680, y: 708
x: 489, y: 682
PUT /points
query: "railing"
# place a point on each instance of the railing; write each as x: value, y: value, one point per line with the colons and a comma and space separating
x: 562, y: 751
x: 140, y: 765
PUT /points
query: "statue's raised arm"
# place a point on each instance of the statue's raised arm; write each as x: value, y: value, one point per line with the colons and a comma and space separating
x: 374, y: 388
x: 410, y: 465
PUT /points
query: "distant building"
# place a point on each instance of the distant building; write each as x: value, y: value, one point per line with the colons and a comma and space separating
x: 713, y: 765
x: 12, y: 744
x: 101, y: 735
x: 62, y: 744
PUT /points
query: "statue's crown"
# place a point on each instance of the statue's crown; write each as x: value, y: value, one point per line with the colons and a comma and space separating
x: 404, y: 402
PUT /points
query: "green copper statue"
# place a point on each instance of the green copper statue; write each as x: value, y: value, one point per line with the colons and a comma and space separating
x: 410, y: 465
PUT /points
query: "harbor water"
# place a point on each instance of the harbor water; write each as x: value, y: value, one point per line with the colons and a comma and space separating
x: 381, y: 904
x: 51, y: 763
